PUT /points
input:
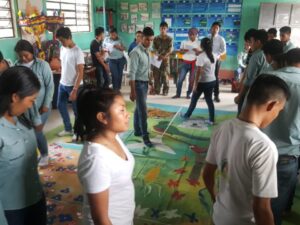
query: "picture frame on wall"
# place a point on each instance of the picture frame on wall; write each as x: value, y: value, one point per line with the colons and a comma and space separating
x: 156, y: 10
x: 139, y: 27
x: 149, y: 24
x: 124, y: 27
x: 134, y: 8
x: 124, y: 6
x: 124, y: 16
x: 131, y: 28
x: 134, y: 18
x: 144, y: 16
x: 143, y: 7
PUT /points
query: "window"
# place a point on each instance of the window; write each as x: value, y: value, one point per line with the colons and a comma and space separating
x: 75, y: 12
x: 6, y: 20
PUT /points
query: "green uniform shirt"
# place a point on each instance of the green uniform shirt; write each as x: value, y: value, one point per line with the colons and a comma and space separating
x: 139, y: 64
x: 256, y: 65
x: 43, y: 72
x: 289, y: 45
x: 19, y: 179
x: 284, y: 131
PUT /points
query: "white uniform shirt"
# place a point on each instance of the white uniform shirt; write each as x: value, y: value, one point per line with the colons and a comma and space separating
x: 100, y: 169
x: 247, y: 159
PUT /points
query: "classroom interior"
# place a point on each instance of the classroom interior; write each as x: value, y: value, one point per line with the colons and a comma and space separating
x: 180, y: 155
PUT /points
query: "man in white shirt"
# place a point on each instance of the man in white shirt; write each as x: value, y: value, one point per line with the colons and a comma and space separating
x: 219, y: 48
x: 246, y: 158
x: 72, y: 64
x: 190, y: 49
x: 285, y: 38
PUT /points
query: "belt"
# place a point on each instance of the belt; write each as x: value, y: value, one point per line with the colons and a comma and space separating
x: 141, y: 81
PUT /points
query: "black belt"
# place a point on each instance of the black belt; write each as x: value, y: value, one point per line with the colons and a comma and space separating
x: 141, y: 81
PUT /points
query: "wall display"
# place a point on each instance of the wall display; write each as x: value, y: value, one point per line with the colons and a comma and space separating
x: 134, y: 18
x: 131, y: 28
x: 139, y: 27
x: 201, y: 14
x: 149, y: 24
x: 124, y: 5
x: 143, y: 7
x: 124, y: 27
x: 134, y: 8
x: 144, y: 17
x: 124, y: 16
x: 156, y: 10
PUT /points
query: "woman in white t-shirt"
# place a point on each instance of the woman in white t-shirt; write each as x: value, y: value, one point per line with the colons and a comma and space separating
x: 205, y: 80
x: 105, y: 164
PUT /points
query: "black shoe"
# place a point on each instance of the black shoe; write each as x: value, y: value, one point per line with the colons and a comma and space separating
x: 147, y: 142
x: 217, y: 99
x: 187, y: 97
x: 176, y: 96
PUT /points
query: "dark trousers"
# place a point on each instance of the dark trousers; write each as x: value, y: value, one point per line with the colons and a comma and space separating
x: 287, y: 168
x: 216, y: 88
x: 102, y: 77
x: 116, y: 67
x: 207, y: 88
x: 32, y: 215
x: 140, y: 112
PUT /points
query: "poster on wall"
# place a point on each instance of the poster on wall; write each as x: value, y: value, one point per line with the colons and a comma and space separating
x: 131, y: 28
x: 139, y: 27
x: 124, y: 6
x: 149, y: 24
x: 124, y: 16
x: 143, y: 7
x: 144, y: 16
x: 156, y: 10
x: 124, y: 27
x: 134, y: 18
x: 134, y: 8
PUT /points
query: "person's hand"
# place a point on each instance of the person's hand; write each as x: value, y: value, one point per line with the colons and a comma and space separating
x: 237, y: 99
x: 73, y: 95
x: 160, y: 57
x: 43, y: 109
x: 39, y: 128
x: 194, y: 88
x: 132, y: 96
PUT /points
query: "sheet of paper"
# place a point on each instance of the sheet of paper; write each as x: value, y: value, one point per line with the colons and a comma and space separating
x: 155, y: 62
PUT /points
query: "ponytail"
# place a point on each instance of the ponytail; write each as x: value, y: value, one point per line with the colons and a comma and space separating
x: 206, y: 45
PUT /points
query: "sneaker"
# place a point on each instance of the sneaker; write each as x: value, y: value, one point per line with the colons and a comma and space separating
x: 217, y: 99
x: 65, y: 133
x: 44, y: 161
x: 137, y: 134
x: 175, y: 96
x: 187, y: 97
x: 147, y: 142
x: 208, y: 122
x: 74, y: 138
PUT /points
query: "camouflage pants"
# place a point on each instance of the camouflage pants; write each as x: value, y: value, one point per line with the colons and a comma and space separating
x: 160, y: 77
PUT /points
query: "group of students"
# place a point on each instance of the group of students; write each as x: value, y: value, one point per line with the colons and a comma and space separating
x: 251, y: 171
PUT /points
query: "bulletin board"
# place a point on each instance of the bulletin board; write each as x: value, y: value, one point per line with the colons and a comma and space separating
x: 184, y: 14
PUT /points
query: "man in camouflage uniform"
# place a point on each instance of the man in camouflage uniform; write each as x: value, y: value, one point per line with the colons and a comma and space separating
x: 162, y: 46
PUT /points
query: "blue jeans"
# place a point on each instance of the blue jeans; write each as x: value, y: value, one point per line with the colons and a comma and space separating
x: 102, y: 77
x: 140, y: 112
x: 62, y: 105
x: 40, y: 137
x: 287, y: 168
x: 183, y: 71
x: 207, y: 88
x: 116, y: 67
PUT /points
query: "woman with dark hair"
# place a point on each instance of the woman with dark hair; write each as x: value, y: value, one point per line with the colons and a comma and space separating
x: 42, y: 104
x: 105, y: 164
x: 205, y: 80
x: 22, y: 200
x: 116, y: 58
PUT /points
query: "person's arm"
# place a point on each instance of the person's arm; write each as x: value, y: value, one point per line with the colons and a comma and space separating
x: 223, y: 47
x: 100, y: 58
x: 49, y: 88
x: 133, y: 67
x: 99, y: 207
x: 198, y: 73
x: 209, y: 179
x: 262, y: 211
x: 79, y: 77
